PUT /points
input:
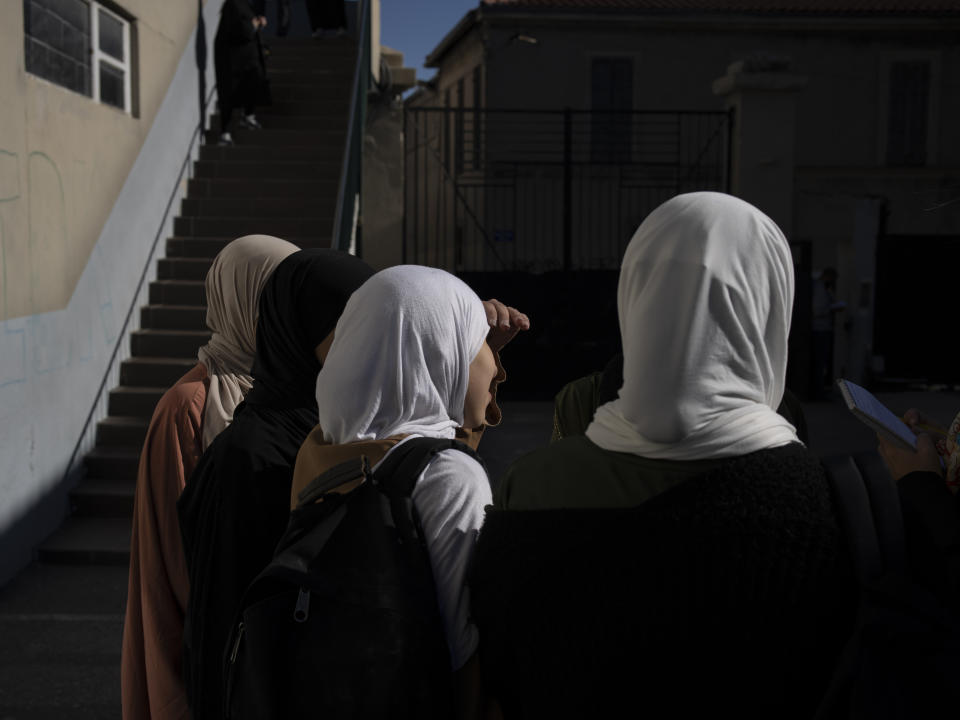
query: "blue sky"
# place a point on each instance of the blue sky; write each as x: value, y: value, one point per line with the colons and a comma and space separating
x: 415, y: 27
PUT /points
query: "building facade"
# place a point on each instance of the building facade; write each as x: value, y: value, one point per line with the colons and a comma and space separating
x: 843, y: 128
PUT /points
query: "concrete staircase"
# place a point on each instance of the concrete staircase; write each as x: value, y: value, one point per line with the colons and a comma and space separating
x: 281, y: 180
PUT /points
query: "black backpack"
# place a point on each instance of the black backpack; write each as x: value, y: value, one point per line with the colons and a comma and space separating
x: 344, y: 620
x: 903, y: 658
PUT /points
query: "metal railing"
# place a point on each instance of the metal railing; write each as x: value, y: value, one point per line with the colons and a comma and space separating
x: 545, y: 190
x: 346, y: 234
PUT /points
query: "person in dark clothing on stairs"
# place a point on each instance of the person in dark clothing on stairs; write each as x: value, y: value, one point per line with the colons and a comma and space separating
x: 238, y: 64
x: 327, y: 17
x: 283, y: 14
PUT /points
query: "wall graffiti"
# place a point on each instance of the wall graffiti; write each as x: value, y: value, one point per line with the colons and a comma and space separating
x: 44, y: 342
x: 13, y: 346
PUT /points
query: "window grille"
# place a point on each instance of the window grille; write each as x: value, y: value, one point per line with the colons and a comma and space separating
x: 908, y: 113
x: 80, y: 45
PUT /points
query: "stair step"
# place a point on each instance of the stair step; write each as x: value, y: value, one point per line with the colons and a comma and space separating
x: 167, y: 343
x: 318, y: 206
x: 317, y: 80
x: 331, y: 132
x: 88, y: 541
x: 323, y: 61
x: 104, y: 497
x: 322, y: 49
x: 334, y: 89
x: 134, y: 401
x: 61, y: 629
x: 183, y: 268
x: 292, y: 42
x: 331, y: 114
x: 315, y: 152
x: 337, y: 107
x: 254, y: 187
x: 330, y: 122
x: 275, y: 171
x: 122, y: 431
x: 280, y: 226
x: 173, y: 317
x: 109, y: 461
x: 54, y: 590
x: 160, y: 372
x: 288, y: 70
x: 180, y: 292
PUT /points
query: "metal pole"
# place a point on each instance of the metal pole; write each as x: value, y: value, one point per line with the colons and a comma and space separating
x: 403, y: 224
x: 200, y: 49
x: 567, y: 189
x: 731, y: 117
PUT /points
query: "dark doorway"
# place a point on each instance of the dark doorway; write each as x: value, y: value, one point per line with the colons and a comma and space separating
x: 915, y: 300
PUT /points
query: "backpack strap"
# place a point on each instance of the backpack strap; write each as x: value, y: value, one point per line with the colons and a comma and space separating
x: 886, y: 511
x: 398, y: 473
x: 856, y: 516
x: 871, y: 520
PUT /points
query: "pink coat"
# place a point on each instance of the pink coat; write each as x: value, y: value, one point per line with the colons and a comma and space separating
x: 151, y: 677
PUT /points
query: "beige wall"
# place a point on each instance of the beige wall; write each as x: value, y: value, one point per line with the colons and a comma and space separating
x: 65, y: 157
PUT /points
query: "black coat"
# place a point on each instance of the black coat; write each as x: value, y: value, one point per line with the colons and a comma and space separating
x: 236, y: 52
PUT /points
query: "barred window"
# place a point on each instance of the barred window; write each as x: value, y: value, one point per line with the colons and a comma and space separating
x: 611, y: 100
x: 909, y: 108
x: 80, y: 45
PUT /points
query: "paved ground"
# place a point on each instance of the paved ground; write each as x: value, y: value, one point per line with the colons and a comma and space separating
x: 60, y: 626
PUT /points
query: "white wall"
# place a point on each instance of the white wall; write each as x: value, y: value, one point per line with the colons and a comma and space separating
x: 52, y: 364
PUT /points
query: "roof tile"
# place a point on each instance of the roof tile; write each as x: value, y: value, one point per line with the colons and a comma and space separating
x: 798, y: 7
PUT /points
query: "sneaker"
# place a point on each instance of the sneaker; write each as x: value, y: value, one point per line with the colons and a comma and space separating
x: 341, y: 31
x: 317, y: 34
x: 225, y: 139
x: 250, y: 122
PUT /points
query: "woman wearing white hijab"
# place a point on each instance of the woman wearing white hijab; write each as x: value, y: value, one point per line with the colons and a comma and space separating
x: 689, y: 532
x: 409, y: 359
x: 186, y: 420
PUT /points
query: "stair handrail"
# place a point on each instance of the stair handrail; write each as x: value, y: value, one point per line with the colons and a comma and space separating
x: 135, y: 300
x: 347, y: 210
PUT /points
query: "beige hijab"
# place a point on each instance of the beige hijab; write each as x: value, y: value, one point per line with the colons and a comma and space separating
x: 234, y: 282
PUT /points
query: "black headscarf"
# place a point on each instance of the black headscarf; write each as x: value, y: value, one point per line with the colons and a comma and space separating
x: 299, y: 307
x: 235, y: 505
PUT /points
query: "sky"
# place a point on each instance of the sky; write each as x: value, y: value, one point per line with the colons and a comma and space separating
x: 415, y: 27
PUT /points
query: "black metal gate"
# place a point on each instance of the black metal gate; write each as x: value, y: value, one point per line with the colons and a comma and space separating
x: 534, y: 191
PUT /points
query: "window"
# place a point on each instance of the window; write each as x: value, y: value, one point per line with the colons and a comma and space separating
x: 447, y: 135
x: 611, y: 100
x: 909, y: 112
x: 81, y: 45
x: 476, y: 117
x: 458, y: 129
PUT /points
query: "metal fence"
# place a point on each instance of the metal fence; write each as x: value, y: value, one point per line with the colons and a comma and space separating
x: 493, y: 190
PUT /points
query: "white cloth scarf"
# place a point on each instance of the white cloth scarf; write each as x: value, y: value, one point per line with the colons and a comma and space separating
x: 704, y: 299
x: 234, y: 282
x: 400, y: 357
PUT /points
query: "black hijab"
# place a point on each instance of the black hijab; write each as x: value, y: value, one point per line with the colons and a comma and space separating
x: 299, y: 307
x: 235, y: 505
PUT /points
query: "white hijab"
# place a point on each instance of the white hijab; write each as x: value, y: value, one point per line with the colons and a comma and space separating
x: 705, y: 297
x: 401, y: 357
x: 234, y: 282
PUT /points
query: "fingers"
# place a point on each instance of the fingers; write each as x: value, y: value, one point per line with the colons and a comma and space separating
x: 518, y: 319
x: 498, y: 315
